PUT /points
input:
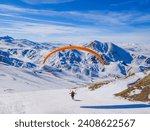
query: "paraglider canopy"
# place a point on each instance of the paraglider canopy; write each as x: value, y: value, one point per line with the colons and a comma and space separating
x: 74, y: 48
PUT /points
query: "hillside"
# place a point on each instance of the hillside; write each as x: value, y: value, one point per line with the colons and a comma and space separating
x: 140, y: 91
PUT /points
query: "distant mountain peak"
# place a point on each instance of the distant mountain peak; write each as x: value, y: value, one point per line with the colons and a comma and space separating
x: 110, y: 51
x: 6, y: 38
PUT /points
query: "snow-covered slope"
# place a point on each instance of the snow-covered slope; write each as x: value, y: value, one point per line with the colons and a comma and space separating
x: 58, y: 101
x: 25, y: 82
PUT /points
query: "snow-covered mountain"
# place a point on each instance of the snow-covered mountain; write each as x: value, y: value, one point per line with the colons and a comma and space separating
x: 23, y: 53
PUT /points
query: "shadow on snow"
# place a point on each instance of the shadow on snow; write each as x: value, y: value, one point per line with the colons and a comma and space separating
x: 127, y: 106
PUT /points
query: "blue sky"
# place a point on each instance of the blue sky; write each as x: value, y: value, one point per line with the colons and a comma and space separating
x: 76, y: 20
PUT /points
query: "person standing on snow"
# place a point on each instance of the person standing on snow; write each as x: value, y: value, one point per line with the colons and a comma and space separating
x: 72, y: 94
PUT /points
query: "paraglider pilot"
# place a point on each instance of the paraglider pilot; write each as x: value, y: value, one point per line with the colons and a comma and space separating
x: 72, y: 94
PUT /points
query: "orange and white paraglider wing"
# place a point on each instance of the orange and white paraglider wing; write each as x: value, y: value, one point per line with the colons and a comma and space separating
x: 74, y: 48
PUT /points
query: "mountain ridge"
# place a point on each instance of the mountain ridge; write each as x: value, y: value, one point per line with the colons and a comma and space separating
x: 24, y: 53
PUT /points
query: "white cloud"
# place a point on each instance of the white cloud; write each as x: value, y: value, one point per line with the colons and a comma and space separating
x: 104, y: 26
x: 68, y: 34
x: 48, y: 32
x: 94, y: 17
x: 46, y: 1
x: 6, y: 8
x: 143, y: 18
x: 39, y: 28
